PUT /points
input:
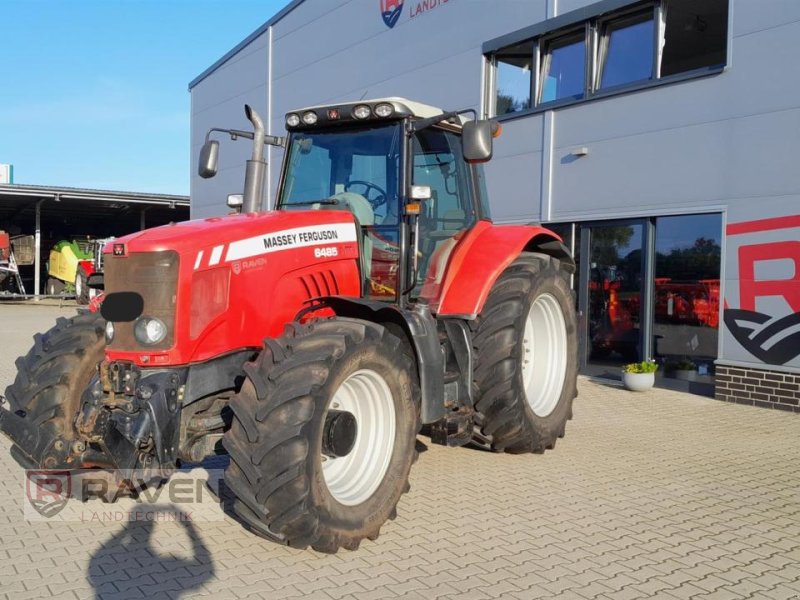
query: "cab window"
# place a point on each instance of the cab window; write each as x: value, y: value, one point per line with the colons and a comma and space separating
x: 439, y: 163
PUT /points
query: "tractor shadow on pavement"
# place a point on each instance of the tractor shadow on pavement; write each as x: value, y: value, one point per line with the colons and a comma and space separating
x: 130, y: 561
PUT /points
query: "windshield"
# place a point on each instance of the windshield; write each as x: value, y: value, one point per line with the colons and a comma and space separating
x: 357, y: 169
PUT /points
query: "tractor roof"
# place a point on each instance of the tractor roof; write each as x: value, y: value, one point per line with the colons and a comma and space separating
x: 346, y: 112
x: 423, y: 111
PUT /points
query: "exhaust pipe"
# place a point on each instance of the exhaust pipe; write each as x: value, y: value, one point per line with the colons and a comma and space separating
x: 256, y: 171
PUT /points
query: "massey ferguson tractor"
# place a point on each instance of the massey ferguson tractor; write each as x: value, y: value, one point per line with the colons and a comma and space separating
x: 312, y: 342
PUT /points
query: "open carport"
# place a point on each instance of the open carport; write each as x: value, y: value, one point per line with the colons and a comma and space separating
x: 51, y: 214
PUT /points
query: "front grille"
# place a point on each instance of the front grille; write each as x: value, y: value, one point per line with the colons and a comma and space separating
x: 152, y: 275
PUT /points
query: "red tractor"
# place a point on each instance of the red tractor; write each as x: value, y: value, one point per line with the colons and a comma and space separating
x: 311, y: 342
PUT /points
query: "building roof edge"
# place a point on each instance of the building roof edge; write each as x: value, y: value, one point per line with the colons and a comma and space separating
x: 246, y: 41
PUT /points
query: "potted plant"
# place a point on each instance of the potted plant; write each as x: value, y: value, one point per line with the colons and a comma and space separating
x: 683, y: 369
x: 639, y: 376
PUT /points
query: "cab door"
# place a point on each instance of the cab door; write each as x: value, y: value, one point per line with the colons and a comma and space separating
x: 437, y: 162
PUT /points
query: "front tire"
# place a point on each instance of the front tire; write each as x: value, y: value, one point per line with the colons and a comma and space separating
x: 82, y: 287
x: 45, y: 396
x: 525, y: 343
x: 286, y: 489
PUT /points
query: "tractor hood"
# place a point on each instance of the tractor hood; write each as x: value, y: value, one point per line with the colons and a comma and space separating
x: 224, y: 284
x: 227, y: 236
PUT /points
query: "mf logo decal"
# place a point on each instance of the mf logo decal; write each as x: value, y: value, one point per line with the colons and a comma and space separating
x: 767, y: 322
x: 48, y: 491
x: 390, y: 11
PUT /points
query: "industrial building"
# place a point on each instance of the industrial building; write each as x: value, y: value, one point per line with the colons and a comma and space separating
x: 657, y: 137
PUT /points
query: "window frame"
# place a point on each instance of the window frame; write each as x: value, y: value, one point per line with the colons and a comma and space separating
x: 607, y: 11
x: 620, y: 20
x: 559, y: 39
x: 492, y: 90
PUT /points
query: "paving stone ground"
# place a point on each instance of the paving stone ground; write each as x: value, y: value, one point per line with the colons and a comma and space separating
x: 656, y: 495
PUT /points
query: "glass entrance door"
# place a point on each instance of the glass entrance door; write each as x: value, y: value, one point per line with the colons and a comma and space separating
x: 613, y: 288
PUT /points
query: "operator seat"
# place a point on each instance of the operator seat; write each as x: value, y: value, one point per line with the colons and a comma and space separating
x: 365, y: 217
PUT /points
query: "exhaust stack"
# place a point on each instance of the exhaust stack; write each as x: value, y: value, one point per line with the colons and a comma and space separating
x: 256, y: 170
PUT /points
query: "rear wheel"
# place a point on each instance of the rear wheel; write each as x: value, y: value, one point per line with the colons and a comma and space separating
x: 324, y: 435
x: 525, y: 343
x: 50, y: 380
x: 81, y: 287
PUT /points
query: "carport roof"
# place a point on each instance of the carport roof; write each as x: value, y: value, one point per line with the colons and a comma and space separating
x: 19, y: 200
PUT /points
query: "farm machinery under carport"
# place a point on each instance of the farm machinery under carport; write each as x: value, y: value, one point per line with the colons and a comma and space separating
x: 312, y: 342
x: 71, y: 265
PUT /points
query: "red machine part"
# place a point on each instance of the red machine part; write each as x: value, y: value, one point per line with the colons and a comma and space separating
x: 5, y: 245
x: 242, y: 278
x: 87, y: 266
x: 691, y: 302
x: 473, y: 264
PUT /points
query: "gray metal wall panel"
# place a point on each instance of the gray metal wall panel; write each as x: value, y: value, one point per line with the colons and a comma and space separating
x: 218, y: 101
x: 515, y: 171
x: 757, y: 15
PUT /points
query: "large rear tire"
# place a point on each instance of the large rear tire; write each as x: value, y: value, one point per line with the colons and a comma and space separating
x: 288, y: 485
x: 50, y: 380
x: 525, y: 342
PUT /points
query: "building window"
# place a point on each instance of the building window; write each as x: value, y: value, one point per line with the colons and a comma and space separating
x: 564, y: 68
x: 645, y: 42
x: 626, y: 51
x: 687, y: 299
x: 695, y: 35
x: 514, y: 78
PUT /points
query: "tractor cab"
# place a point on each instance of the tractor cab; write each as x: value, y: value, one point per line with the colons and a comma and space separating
x: 408, y: 173
x: 400, y: 168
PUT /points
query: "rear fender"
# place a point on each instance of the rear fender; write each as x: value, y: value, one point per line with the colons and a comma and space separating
x: 478, y: 260
x: 416, y: 326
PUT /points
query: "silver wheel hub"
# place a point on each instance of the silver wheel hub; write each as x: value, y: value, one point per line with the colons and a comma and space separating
x: 353, y: 478
x: 544, y: 355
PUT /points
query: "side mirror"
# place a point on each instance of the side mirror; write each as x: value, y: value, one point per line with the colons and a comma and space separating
x: 476, y: 141
x: 209, y: 154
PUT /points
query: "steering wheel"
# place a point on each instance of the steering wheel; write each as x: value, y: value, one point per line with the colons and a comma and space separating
x: 382, y: 195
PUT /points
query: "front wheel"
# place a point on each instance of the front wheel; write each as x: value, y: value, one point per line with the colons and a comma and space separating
x: 46, y: 393
x: 82, y: 287
x: 525, y: 343
x: 324, y: 435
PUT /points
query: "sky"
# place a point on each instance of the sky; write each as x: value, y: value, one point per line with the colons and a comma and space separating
x: 94, y: 93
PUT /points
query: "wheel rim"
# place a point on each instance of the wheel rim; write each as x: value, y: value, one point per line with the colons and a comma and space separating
x: 78, y: 286
x: 353, y: 478
x: 544, y: 356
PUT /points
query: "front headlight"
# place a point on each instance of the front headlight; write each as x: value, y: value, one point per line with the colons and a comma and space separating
x: 149, y: 330
x: 109, y: 332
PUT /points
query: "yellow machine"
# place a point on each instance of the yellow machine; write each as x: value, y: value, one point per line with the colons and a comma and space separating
x: 70, y: 265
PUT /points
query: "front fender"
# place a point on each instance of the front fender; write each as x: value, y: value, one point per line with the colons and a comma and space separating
x: 478, y: 259
x: 419, y: 327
